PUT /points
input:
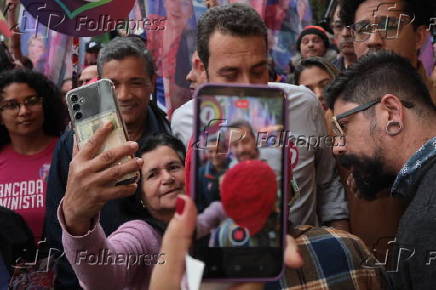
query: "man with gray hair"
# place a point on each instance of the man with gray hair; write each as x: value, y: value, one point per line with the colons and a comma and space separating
x: 128, y: 64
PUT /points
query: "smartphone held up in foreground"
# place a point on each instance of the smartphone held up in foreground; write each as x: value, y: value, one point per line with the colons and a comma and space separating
x: 90, y: 107
x: 238, y: 168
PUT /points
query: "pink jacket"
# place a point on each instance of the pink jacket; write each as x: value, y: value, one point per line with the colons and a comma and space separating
x: 125, y: 259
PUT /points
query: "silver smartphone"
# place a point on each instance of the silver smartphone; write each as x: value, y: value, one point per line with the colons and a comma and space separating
x: 92, y: 105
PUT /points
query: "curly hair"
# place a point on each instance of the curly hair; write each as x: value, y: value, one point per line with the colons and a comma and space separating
x: 54, y: 111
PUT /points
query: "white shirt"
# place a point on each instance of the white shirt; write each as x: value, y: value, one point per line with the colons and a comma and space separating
x: 322, y: 196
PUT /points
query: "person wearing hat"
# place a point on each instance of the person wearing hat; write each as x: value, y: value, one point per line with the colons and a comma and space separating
x: 92, y: 49
x: 313, y: 41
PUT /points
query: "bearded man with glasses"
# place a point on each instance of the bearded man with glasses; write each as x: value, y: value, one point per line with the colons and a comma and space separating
x: 385, y: 115
x: 401, y: 26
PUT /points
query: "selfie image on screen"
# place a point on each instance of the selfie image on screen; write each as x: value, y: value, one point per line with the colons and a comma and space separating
x: 239, y: 170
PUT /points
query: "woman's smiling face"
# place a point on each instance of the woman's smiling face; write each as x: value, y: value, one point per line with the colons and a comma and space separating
x: 163, y: 178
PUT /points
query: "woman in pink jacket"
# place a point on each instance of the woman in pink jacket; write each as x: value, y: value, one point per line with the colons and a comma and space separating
x: 123, y: 260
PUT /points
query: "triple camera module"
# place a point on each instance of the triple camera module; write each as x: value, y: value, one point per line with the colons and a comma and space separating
x: 76, y: 107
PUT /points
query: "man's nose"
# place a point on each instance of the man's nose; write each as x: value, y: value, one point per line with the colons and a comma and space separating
x: 375, y: 40
x: 245, y: 79
x: 339, y: 147
x: 346, y: 32
x: 123, y: 92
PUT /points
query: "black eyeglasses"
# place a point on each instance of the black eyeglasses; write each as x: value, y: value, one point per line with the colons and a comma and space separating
x: 337, y: 128
x: 388, y: 27
x: 13, y: 106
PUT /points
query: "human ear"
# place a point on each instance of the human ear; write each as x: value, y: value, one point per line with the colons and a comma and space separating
x: 392, y: 105
x: 393, y: 108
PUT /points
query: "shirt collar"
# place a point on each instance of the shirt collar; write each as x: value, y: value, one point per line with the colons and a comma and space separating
x: 407, y: 180
x: 152, y: 126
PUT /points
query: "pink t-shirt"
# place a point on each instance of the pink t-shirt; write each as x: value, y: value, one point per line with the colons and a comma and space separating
x: 23, y: 184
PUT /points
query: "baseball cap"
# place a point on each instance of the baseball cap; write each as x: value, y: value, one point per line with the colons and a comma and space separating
x: 92, y: 47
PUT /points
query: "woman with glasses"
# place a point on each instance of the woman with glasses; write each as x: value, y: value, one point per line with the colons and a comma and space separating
x: 31, y: 120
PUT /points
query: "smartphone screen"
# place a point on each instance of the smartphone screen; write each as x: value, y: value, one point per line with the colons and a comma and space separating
x: 239, y: 170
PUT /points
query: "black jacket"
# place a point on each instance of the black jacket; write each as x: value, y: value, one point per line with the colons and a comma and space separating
x: 16, y: 239
x: 111, y: 216
x: 414, y: 266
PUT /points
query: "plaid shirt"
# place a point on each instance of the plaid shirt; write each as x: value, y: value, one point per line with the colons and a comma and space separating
x: 333, y: 259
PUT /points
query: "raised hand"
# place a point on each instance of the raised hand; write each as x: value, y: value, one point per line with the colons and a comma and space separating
x: 92, y: 177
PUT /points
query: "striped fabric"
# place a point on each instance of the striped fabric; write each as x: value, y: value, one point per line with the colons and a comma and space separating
x: 333, y: 259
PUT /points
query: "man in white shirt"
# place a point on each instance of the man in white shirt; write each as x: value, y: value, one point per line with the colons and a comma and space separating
x: 232, y: 45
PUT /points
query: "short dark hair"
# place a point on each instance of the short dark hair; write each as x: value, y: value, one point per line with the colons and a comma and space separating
x: 376, y: 74
x: 54, y: 111
x: 422, y: 10
x: 163, y: 139
x: 243, y: 124
x: 122, y: 47
x: 331, y: 15
x: 234, y: 19
x: 318, y: 62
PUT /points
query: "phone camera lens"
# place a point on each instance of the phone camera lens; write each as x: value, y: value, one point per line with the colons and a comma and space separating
x: 76, y: 107
x: 78, y: 116
x: 74, y: 98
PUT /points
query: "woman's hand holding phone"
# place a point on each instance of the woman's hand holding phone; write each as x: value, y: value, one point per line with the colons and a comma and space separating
x: 92, y: 177
x: 176, y: 242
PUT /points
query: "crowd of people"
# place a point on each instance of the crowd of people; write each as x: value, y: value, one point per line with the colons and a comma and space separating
x: 361, y: 216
